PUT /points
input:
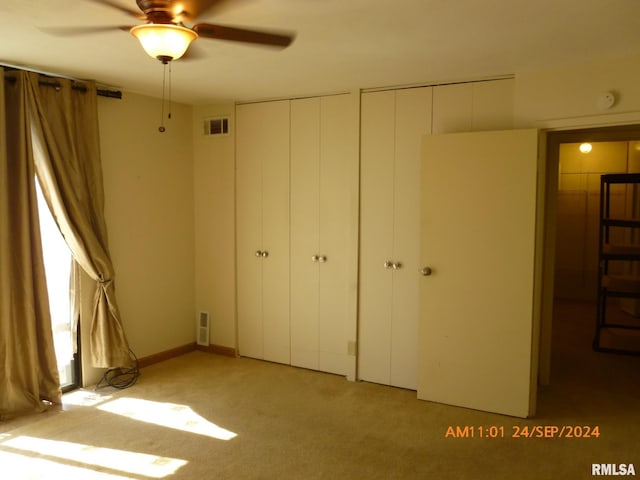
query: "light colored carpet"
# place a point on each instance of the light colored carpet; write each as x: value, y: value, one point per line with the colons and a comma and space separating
x: 248, y: 419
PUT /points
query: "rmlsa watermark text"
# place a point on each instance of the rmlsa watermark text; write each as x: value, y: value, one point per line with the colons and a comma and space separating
x: 613, y: 469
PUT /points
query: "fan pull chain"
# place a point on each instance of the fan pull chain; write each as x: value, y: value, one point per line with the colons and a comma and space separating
x: 170, y: 104
x: 161, y: 128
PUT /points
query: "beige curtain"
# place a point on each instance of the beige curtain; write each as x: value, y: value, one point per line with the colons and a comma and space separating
x: 67, y: 161
x: 28, y: 370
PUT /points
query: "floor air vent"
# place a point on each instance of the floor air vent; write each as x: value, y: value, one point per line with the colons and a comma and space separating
x: 203, y: 329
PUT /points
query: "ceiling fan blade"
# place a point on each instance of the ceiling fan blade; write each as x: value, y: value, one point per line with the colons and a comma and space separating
x: 235, y: 34
x: 190, y: 10
x: 110, y: 3
x: 76, y: 31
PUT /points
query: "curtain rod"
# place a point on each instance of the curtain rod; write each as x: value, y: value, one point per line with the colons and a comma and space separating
x: 101, y: 92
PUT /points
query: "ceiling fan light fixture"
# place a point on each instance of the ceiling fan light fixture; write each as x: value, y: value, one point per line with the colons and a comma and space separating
x: 164, y: 41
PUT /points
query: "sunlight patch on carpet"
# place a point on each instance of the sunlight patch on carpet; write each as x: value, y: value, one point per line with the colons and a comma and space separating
x: 78, y: 455
x: 83, y: 398
x: 26, y: 467
x: 170, y: 415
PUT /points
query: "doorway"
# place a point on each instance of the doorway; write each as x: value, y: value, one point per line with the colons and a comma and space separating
x: 57, y: 262
x: 571, y: 237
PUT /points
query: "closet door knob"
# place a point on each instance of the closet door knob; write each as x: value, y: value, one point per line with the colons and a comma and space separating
x: 265, y: 254
x: 258, y: 253
x: 315, y: 258
x: 388, y: 264
x: 426, y: 271
x: 322, y: 258
x: 396, y: 266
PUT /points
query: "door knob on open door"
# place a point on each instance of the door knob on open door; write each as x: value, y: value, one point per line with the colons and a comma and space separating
x: 426, y: 271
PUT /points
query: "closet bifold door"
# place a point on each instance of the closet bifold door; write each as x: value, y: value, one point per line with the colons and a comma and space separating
x: 413, y: 120
x: 305, y: 235
x: 322, y: 258
x: 376, y: 235
x: 262, y: 228
x: 393, y: 123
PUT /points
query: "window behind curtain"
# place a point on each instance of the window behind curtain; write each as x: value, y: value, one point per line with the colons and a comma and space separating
x: 57, y: 263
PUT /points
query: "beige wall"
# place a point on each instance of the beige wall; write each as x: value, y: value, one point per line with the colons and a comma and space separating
x: 148, y: 181
x: 214, y: 193
x: 566, y: 96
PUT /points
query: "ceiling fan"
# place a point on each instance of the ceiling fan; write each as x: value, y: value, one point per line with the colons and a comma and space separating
x: 165, y: 36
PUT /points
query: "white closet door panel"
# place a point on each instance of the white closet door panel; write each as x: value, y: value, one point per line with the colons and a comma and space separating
x: 413, y: 121
x: 275, y: 232
x: 493, y: 103
x: 305, y: 166
x: 332, y: 325
x: 452, y: 108
x: 250, y: 328
x: 376, y: 234
x: 250, y: 325
x: 249, y: 232
x: 275, y: 300
x: 337, y: 153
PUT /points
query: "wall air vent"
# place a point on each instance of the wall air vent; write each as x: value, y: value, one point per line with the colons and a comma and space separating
x: 203, y: 329
x: 216, y: 126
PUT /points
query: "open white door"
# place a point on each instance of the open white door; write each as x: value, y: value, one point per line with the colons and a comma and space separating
x: 479, y: 303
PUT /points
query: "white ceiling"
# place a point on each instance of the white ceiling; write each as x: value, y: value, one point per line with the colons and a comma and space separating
x: 340, y: 44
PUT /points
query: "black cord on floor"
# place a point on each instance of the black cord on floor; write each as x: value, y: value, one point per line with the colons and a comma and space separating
x: 121, y: 377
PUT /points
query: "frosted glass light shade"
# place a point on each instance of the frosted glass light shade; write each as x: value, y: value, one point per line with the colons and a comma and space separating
x: 164, y: 41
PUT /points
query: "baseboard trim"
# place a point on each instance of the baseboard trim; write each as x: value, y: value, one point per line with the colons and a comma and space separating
x: 190, y: 347
x: 219, y: 350
x: 166, y: 355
